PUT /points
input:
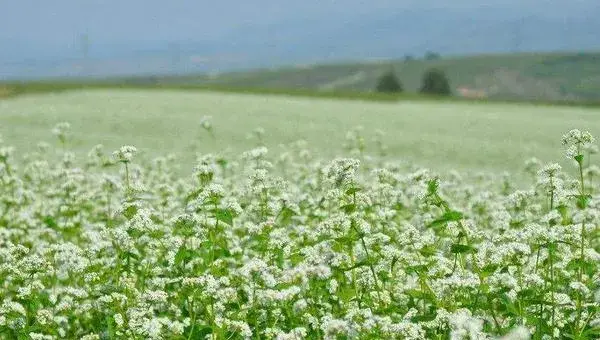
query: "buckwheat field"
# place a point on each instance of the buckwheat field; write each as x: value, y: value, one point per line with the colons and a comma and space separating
x: 286, y: 245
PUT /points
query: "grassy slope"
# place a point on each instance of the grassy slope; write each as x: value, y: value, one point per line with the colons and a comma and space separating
x: 545, y: 78
x: 442, y: 135
x: 552, y: 76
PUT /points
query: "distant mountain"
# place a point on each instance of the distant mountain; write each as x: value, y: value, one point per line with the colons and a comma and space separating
x: 301, y: 33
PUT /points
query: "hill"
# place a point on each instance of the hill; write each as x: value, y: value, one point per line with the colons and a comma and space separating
x: 544, y: 77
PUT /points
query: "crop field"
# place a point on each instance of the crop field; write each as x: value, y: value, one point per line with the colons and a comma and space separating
x: 228, y: 216
x: 442, y: 135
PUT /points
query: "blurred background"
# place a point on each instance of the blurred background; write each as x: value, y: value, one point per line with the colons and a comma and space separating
x: 506, y: 49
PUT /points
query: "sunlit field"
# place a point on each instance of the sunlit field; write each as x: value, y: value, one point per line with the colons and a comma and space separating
x: 182, y: 215
x: 442, y: 135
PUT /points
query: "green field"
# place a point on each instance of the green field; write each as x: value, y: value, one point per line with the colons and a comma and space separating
x: 557, y: 78
x: 532, y: 76
x: 441, y: 135
x: 282, y: 245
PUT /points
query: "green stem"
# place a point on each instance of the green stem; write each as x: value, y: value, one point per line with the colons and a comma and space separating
x: 551, y: 255
x: 193, y: 311
x: 108, y: 212
x: 127, y: 176
x: 551, y: 193
x: 582, y: 244
x: 364, y: 245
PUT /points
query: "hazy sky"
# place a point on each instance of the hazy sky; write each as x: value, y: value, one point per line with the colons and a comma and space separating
x: 28, y: 24
x: 51, y: 28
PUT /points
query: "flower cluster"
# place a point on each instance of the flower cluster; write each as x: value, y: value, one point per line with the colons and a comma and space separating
x: 61, y: 131
x: 293, y: 247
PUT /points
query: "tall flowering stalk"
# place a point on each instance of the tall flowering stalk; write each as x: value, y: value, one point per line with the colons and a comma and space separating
x: 576, y: 142
x: 125, y: 155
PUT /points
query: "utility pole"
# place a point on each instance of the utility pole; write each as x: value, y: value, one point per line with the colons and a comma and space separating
x: 517, y: 40
x: 84, y: 42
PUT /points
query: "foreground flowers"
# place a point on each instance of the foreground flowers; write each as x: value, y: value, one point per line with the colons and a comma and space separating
x: 291, y: 247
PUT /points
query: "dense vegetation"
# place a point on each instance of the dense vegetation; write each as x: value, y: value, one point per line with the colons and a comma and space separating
x: 435, y: 82
x: 289, y: 246
x: 389, y: 83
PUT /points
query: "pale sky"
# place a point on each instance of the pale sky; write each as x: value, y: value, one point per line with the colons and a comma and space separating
x: 51, y: 28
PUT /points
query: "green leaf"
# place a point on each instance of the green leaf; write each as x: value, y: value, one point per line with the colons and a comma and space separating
x: 582, y: 201
x: 489, y: 270
x: 285, y: 215
x: 202, y: 332
x: 421, y: 268
x: 432, y: 187
x: 131, y: 255
x: 185, y: 226
x: 50, y: 222
x: 394, y: 261
x: 357, y: 265
x: 437, y: 224
x: 592, y: 333
x: 579, y: 158
x: 346, y: 293
x: 349, y: 208
x: 420, y: 295
x: 222, y: 162
x: 224, y: 215
x: 296, y: 258
x: 581, y: 263
x: 445, y: 218
x: 452, y: 216
x: 461, y: 248
x: 352, y: 191
x: 221, y: 253
x: 130, y: 211
x: 192, y: 195
x: 183, y: 255
x: 527, y: 294
x: 506, y: 305
x: 70, y: 212
x: 424, y: 318
x: 428, y: 250
x: 111, y: 327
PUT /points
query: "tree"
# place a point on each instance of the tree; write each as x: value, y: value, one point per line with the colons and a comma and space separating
x: 389, y: 83
x: 435, y: 82
x: 430, y: 55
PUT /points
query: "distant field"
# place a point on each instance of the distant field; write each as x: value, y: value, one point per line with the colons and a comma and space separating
x: 558, y: 78
x: 535, y: 76
x: 465, y: 136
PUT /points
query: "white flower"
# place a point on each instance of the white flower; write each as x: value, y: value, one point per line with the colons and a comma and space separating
x: 118, y: 320
x: 61, y: 130
x: 125, y: 153
x: 550, y: 170
x: 342, y: 171
x: 575, y: 136
x: 206, y: 122
x: 256, y: 153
